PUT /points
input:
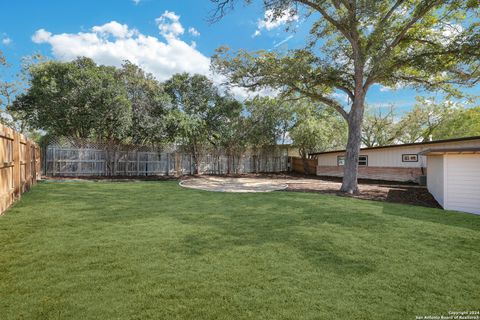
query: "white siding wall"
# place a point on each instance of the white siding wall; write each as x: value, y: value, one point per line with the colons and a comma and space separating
x: 392, y: 157
x: 389, y: 157
x: 462, y: 182
x: 435, y: 178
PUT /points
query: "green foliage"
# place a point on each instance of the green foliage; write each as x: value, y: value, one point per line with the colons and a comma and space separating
x: 429, y: 44
x: 316, y: 129
x: 196, y: 115
x: 426, y: 44
x: 424, y: 119
x: 231, y: 131
x: 152, y: 250
x: 464, y: 123
x: 150, y: 105
x: 7, y: 91
x: 379, y: 128
x: 269, y: 121
x: 76, y: 99
x: 427, y: 120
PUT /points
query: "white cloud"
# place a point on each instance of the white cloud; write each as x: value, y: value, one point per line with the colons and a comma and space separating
x: 114, y: 29
x: 169, y: 25
x: 194, y: 32
x: 112, y: 43
x: 41, y: 35
x: 135, y: 2
x: 341, y: 97
x: 271, y: 21
x: 385, y: 89
x: 6, y: 41
x: 397, y: 86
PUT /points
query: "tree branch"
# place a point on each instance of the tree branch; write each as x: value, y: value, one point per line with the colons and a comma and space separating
x: 409, y: 25
x: 328, y: 101
x: 346, y: 90
x: 329, y: 18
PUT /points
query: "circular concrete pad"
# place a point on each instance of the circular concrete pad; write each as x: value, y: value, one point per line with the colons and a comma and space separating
x: 223, y: 184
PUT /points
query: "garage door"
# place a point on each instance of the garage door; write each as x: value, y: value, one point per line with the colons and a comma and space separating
x: 462, y: 183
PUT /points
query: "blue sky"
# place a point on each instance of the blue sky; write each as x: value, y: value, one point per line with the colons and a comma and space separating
x: 162, y: 36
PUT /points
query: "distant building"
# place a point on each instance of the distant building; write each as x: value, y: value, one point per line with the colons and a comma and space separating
x: 400, y: 162
x: 452, y: 168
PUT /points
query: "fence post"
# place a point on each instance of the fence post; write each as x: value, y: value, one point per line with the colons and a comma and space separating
x: 54, y: 161
x: 79, y: 163
x: 138, y: 163
x: 177, y: 164
x: 168, y: 164
x: 114, y: 162
x: 16, y: 165
x: 28, y: 165
x: 192, y: 170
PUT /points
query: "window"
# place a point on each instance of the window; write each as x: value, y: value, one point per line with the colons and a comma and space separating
x: 362, y: 161
x: 409, y: 157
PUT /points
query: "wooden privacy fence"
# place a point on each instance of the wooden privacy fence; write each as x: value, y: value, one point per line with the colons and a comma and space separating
x: 298, y: 165
x: 19, y: 165
x: 72, y: 161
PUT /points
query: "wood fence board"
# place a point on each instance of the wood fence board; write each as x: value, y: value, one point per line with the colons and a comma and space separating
x: 84, y: 161
x: 19, y: 165
x: 297, y: 165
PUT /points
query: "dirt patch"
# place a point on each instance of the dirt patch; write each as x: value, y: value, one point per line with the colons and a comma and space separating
x: 229, y: 184
x: 389, y: 191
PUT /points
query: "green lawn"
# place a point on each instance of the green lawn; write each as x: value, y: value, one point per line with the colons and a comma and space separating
x: 152, y: 250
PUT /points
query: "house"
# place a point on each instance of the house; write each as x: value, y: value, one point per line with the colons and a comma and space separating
x: 454, y: 177
x: 401, y: 162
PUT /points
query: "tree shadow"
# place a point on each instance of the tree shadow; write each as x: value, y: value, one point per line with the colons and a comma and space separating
x: 431, y: 215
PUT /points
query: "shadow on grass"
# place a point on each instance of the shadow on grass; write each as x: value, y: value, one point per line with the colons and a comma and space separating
x: 436, y: 216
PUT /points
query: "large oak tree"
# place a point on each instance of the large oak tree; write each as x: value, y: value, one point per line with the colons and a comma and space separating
x: 430, y: 44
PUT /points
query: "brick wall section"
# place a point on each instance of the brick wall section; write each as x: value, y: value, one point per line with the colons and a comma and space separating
x: 375, y: 173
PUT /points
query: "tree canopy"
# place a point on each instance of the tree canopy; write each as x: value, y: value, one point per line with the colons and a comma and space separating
x: 430, y: 44
x: 76, y: 99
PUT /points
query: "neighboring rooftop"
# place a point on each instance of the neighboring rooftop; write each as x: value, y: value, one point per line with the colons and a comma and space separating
x: 450, y: 150
x: 406, y: 144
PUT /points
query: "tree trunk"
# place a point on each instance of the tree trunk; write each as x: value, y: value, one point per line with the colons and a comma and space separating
x: 228, y: 161
x: 195, y: 159
x: 305, y: 166
x: 350, y: 172
x: 303, y: 155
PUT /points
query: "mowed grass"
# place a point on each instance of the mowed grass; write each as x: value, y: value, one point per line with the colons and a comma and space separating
x: 153, y: 250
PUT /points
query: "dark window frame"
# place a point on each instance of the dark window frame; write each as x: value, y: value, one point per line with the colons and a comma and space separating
x: 361, y: 165
x: 366, y: 160
x: 409, y: 154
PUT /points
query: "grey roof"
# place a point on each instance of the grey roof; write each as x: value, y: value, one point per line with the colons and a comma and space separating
x: 405, y: 144
x: 450, y: 150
